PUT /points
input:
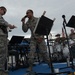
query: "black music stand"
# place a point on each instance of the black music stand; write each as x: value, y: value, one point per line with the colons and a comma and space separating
x: 16, y: 40
x: 71, y: 22
x: 43, y: 27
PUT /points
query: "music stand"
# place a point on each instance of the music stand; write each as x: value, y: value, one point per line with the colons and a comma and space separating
x: 16, y: 40
x: 71, y: 22
x: 43, y: 27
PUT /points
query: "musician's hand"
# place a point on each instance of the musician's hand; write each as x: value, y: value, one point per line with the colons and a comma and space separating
x: 12, y: 26
x: 39, y: 40
x: 23, y: 20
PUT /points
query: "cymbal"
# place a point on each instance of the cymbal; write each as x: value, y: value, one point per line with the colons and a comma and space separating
x: 57, y: 35
x: 60, y: 39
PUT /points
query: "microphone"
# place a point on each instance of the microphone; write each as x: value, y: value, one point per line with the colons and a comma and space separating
x: 63, y: 16
x: 24, y: 18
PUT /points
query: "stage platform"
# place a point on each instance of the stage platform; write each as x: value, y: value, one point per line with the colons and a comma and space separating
x: 44, y: 69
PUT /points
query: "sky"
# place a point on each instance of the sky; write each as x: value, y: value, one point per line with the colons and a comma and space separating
x: 16, y: 9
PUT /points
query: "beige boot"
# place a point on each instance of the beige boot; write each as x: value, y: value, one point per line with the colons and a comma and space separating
x: 5, y: 73
x: 48, y: 62
x: 1, y: 72
x: 29, y: 68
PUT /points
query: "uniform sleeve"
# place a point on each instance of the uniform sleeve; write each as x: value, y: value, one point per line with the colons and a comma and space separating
x: 25, y: 27
x: 3, y: 22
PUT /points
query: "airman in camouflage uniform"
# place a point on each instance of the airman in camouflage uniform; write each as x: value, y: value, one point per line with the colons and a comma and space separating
x: 3, y: 40
x: 35, y: 38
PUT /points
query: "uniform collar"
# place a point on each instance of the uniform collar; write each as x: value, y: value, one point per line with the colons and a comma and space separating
x: 32, y: 18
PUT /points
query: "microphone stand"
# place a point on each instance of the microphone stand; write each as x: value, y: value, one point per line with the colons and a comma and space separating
x: 64, y: 24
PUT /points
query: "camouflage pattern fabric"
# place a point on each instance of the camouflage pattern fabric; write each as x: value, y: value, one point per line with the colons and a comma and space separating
x: 3, y: 49
x: 30, y: 24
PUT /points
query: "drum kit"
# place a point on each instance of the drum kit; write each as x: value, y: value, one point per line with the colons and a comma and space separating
x: 61, y: 46
x: 60, y: 49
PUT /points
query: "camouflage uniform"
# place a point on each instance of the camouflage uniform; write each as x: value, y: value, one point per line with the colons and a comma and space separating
x: 30, y: 24
x: 3, y: 47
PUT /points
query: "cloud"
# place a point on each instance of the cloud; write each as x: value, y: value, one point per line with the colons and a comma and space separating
x: 54, y: 9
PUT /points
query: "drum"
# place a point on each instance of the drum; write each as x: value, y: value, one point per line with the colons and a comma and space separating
x: 57, y: 56
x: 65, y: 51
x: 57, y: 47
x: 57, y: 53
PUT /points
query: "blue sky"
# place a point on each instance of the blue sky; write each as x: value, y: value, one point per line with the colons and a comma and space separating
x: 54, y: 9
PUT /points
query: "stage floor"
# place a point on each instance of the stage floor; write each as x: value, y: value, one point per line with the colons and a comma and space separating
x: 43, y: 69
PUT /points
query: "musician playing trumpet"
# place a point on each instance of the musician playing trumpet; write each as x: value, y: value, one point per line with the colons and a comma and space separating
x: 36, y: 39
